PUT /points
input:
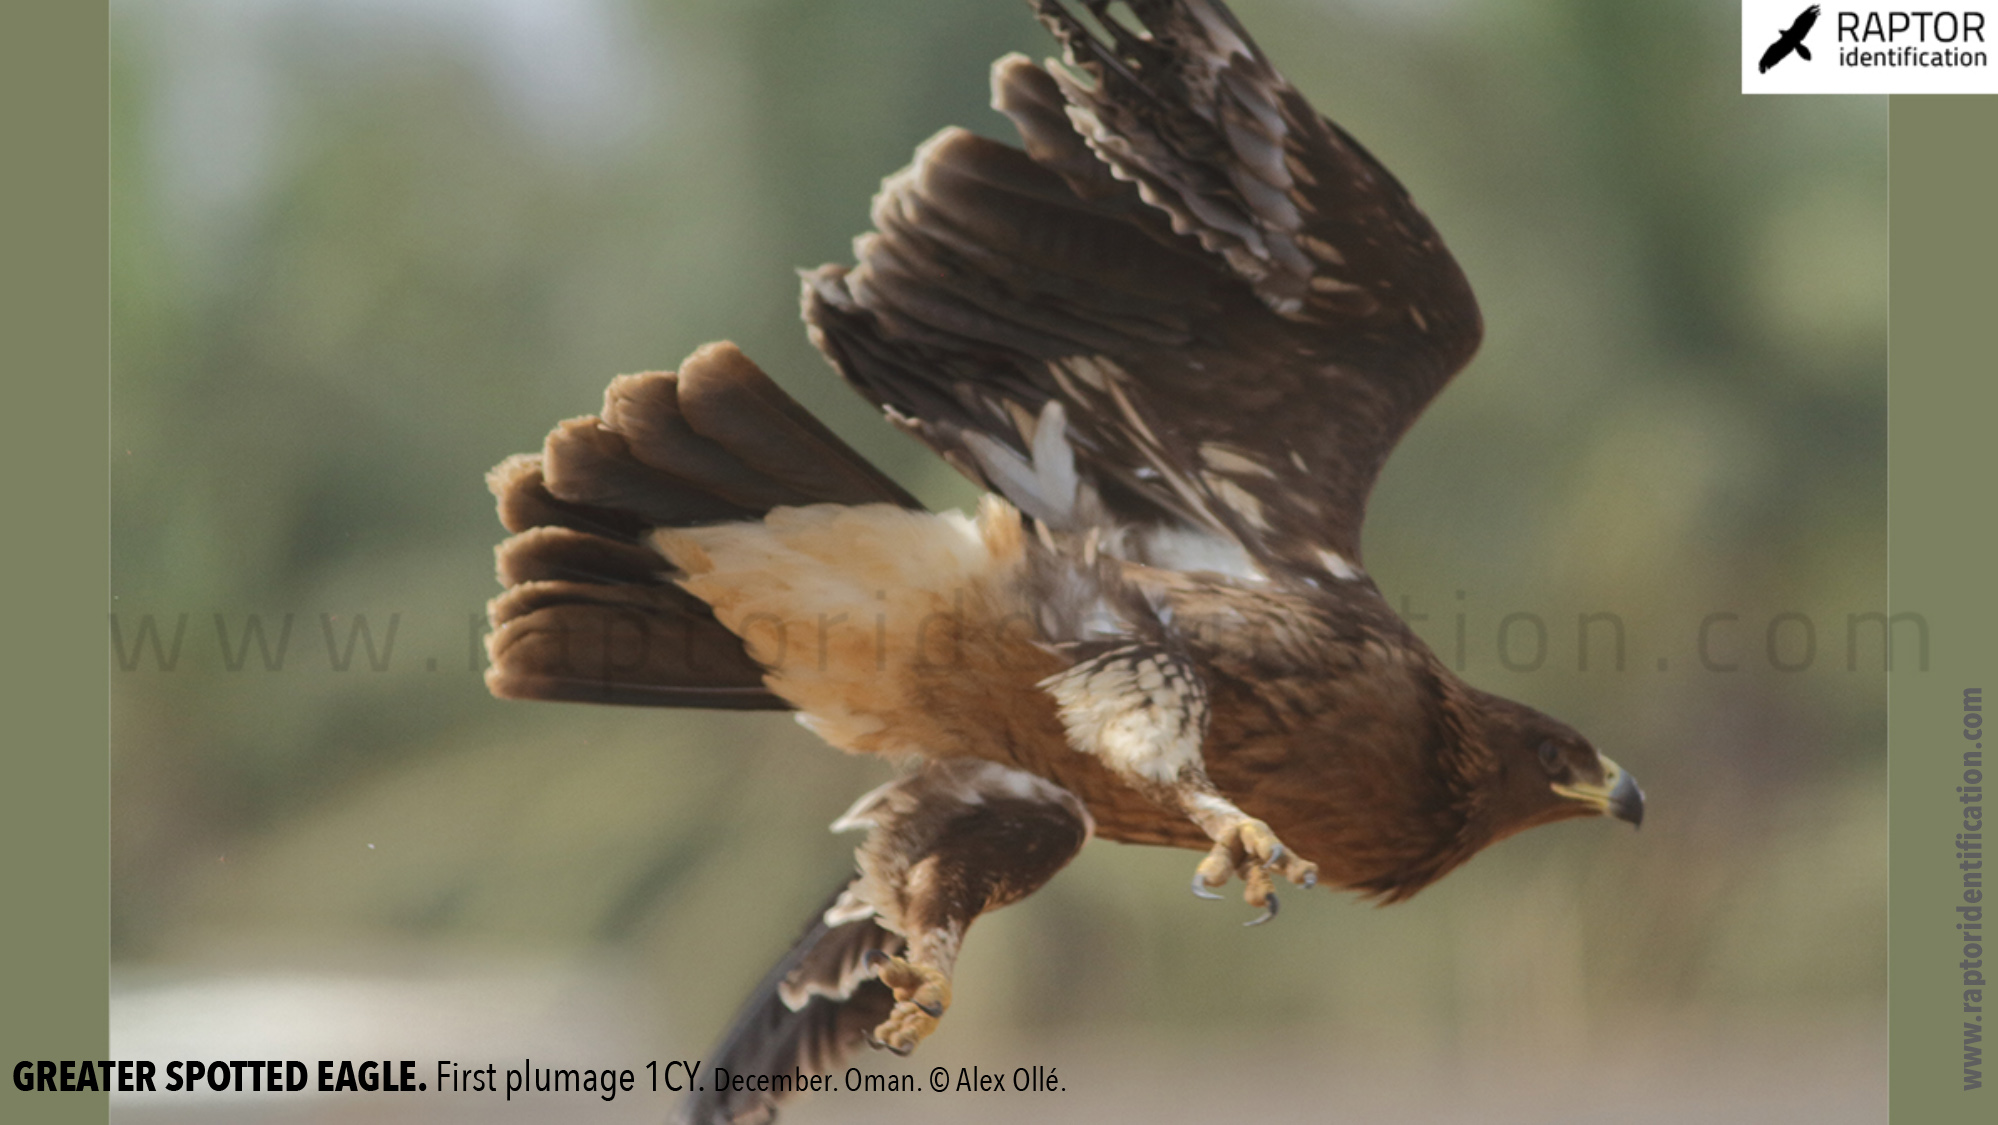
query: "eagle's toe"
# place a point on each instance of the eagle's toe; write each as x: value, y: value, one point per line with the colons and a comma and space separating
x: 922, y: 992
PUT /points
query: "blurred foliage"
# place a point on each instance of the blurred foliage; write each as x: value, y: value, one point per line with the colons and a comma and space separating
x: 362, y: 251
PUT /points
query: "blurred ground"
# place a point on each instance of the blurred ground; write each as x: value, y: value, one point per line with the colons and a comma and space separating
x: 514, y: 1013
x: 364, y: 250
x: 1634, y: 1073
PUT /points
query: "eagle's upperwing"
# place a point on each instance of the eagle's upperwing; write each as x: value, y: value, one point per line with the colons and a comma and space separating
x: 1237, y: 308
x: 816, y: 1007
x: 1803, y: 25
x: 946, y: 844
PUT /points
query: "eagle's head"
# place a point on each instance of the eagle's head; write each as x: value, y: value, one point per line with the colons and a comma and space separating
x: 1539, y: 769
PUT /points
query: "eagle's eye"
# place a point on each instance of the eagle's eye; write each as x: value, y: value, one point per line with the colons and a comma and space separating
x: 1550, y: 757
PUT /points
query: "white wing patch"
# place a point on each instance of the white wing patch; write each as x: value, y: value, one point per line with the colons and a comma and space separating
x: 1046, y: 486
x: 1196, y: 548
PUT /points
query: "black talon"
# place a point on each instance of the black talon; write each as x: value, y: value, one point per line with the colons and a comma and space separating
x: 1200, y: 887
x: 876, y: 1043
x: 1310, y: 880
x: 934, y: 1011
x: 901, y: 1052
x: 1269, y: 911
x: 875, y: 959
x: 1276, y: 856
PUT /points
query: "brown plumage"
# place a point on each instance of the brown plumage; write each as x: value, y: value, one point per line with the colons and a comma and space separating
x: 1175, y: 338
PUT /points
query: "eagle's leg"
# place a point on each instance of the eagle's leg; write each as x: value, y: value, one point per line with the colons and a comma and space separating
x: 1141, y: 709
x: 944, y: 845
x: 1243, y: 846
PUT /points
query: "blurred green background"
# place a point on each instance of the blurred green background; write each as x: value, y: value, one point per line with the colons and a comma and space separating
x: 364, y: 249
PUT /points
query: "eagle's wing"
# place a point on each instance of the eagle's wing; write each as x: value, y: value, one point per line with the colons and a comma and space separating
x: 1237, y: 309
x: 816, y: 1007
x: 952, y: 841
x: 1774, y: 54
x: 1803, y: 25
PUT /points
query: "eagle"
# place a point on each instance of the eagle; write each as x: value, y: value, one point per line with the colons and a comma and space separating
x: 1791, y: 40
x: 1174, y: 334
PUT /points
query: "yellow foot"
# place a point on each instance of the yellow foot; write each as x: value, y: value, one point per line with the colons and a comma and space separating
x: 1248, y: 848
x: 921, y: 995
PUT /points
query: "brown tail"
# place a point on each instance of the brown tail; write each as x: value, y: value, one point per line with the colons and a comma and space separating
x: 590, y: 611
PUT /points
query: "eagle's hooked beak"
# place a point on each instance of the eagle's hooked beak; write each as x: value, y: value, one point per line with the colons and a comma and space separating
x: 1617, y: 795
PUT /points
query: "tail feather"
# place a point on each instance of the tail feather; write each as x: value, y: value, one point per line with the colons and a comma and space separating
x: 556, y: 554
x: 727, y: 398
x: 588, y: 463
x: 525, y: 503
x: 646, y: 409
x: 593, y: 643
x: 591, y: 611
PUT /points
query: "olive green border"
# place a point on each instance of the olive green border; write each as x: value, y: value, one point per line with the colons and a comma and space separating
x: 54, y: 823
x: 1943, y: 553
x: 1942, y: 556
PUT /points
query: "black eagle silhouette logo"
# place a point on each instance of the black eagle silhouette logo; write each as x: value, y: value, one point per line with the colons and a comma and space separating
x: 1791, y: 40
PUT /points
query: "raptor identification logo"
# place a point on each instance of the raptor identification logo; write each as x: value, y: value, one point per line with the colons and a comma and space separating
x: 1791, y: 47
